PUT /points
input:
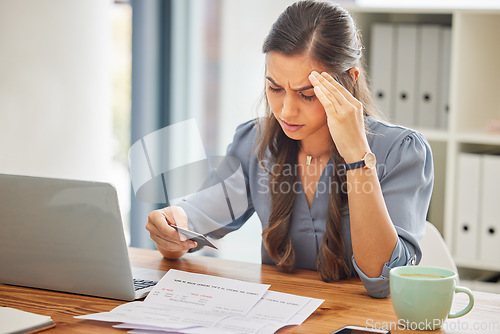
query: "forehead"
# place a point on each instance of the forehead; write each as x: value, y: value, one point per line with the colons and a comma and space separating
x: 290, y: 69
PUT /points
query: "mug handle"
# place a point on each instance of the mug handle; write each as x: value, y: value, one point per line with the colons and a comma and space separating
x: 468, y: 307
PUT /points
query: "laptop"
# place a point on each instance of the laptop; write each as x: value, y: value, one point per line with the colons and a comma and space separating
x: 67, y: 235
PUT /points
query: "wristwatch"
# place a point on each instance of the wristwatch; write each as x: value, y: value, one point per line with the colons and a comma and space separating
x: 368, y: 161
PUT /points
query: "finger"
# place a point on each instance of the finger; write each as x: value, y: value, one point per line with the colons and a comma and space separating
x: 167, y: 234
x: 320, y: 81
x: 168, y: 216
x: 173, y: 246
x: 348, y: 96
x: 164, y: 235
x: 178, y: 217
x: 330, y: 103
x: 170, y: 241
x: 159, y: 220
x: 172, y: 249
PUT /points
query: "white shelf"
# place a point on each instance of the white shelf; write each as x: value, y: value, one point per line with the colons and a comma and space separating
x: 476, y: 285
x: 435, y: 135
x: 424, y: 6
x: 477, y: 265
x: 394, y: 9
x: 479, y: 138
x: 474, y: 95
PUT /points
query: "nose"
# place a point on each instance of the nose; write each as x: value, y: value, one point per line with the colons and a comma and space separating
x: 290, y: 107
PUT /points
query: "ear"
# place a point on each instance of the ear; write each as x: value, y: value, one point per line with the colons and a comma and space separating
x: 354, y: 72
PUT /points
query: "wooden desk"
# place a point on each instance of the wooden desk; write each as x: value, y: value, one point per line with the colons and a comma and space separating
x: 346, y: 302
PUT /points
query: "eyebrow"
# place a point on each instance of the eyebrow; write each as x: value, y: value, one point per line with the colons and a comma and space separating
x: 297, y: 90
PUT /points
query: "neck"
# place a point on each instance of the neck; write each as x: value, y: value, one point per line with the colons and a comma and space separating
x: 316, y: 157
x: 314, y: 152
x: 316, y: 147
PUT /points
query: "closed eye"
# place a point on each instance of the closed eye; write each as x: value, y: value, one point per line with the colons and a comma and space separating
x: 274, y: 90
x: 307, y: 97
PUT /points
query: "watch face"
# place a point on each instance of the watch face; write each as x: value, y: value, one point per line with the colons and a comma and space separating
x: 370, y: 160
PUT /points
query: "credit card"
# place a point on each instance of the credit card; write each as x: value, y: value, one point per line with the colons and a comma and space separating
x: 191, y: 235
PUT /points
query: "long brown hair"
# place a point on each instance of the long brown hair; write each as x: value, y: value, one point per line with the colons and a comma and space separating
x: 327, y: 33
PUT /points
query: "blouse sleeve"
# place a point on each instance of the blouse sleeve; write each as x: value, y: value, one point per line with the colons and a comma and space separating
x: 406, y: 177
x: 224, y: 204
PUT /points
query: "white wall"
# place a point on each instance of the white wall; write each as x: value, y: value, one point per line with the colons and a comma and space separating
x: 55, y: 113
x: 244, y: 26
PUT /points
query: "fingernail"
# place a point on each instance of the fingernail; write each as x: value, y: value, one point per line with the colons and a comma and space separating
x: 192, y: 244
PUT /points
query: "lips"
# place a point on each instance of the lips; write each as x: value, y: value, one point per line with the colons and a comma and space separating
x: 290, y: 127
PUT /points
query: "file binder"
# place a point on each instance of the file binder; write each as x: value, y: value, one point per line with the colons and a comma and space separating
x: 445, y: 71
x: 381, y: 66
x: 489, y: 227
x: 428, y: 47
x: 406, y: 72
x: 467, y: 221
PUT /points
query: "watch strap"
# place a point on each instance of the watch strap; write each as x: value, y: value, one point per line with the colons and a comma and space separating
x: 355, y: 165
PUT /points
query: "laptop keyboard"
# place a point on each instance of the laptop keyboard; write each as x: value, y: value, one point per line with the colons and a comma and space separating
x: 142, y: 284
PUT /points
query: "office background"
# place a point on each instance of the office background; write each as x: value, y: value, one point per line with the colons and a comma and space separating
x: 71, y: 103
x: 82, y: 80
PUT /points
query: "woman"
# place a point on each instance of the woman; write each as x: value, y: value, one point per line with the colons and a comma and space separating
x: 358, y: 189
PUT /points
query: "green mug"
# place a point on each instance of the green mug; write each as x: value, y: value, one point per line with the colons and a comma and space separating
x: 422, y: 296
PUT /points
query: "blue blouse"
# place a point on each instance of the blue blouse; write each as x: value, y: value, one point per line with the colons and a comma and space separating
x: 405, y: 171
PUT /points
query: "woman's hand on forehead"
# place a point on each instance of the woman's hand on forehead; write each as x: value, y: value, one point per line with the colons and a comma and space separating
x: 344, y: 115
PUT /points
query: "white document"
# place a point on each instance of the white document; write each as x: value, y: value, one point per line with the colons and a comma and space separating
x: 182, y: 299
x: 199, y: 330
x: 469, y: 168
x: 273, y: 311
x: 204, y: 292
x: 445, y: 72
x: 190, y: 303
x: 159, y: 316
x: 277, y: 306
x: 406, y: 74
x: 489, y: 227
x: 306, y: 311
x: 428, y: 46
x: 232, y: 326
x: 382, y: 67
